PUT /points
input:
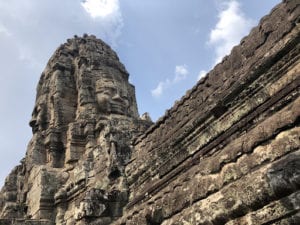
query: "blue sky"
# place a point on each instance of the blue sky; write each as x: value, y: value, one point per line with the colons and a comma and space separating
x: 166, y: 45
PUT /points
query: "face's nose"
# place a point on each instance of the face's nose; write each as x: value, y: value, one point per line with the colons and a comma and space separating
x: 117, y: 98
x: 32, y: 122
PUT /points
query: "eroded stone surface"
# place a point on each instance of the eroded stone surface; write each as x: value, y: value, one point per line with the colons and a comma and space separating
x: 226, y: 153
x: 84, y: 123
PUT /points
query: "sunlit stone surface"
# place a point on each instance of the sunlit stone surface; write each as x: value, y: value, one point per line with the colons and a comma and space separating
x: 226, y: 153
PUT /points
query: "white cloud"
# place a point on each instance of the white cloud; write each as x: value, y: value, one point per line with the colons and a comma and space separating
x: 201, y: 74
x: 181, y: 72
x: 29, y: 26
x: 108, y: 14
x: 162, y: 85
x: 156, y: 92
x: 101, y: 8
x: 230, y: 28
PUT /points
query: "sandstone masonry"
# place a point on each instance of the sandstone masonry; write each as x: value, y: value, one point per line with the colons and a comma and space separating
x: 226, y: 153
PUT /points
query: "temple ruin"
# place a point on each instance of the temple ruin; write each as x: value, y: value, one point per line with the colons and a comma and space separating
x: 226, y: 153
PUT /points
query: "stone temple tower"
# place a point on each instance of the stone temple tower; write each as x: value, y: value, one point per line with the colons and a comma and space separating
x: 228, y: 152
x: 84, y: 122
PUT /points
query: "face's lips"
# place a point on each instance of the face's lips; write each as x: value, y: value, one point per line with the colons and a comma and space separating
x: 117, y: 108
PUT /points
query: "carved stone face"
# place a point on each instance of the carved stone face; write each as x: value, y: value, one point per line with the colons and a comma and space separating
x: 111, y: 97
x: 38, y: 118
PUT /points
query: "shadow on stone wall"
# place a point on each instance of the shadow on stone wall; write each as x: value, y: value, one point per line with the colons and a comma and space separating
x: 284, y: 179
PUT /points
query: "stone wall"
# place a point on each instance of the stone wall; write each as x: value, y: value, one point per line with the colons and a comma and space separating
x: 228, y: 151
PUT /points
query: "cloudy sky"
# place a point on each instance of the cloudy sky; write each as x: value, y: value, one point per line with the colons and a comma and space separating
x: 166, y: 45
